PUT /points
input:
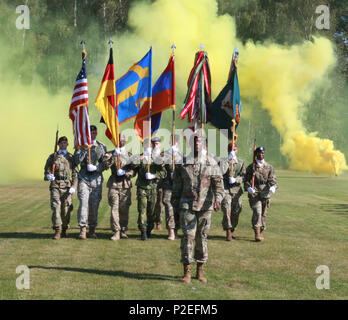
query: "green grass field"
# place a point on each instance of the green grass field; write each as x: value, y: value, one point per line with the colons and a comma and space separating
x: 307, y: 227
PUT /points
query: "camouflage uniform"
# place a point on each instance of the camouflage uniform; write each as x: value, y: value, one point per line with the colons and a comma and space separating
x: 232, y: 203
x: 195, y: 184
x: 159, y: 205
x: 260, y: 201
x: 90, y: 184
x: 147, y: 189
x: 172, y: 215
x: 65, y: 177
x: 119, y: 195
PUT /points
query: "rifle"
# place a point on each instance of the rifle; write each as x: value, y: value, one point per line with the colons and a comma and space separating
x: 55, y: 153
x: 254, y: 166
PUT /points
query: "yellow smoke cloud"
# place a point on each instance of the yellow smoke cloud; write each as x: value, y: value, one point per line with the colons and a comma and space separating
x: 281, y: 78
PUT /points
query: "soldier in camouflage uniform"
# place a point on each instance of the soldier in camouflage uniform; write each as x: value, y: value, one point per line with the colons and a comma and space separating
x: 156, y: 142
x: 233, y: 170
x: 195, y: 185
x: 63, y: 185
x: 265, y: 185
x: 90, y: 185
x: 119, y: 185
x: 147, y: 187
x: 172, y: 216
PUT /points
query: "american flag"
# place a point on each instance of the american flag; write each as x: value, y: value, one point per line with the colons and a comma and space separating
x: 78, y: 112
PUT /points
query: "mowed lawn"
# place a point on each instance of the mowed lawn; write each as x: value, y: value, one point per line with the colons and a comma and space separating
x: 307, y: 227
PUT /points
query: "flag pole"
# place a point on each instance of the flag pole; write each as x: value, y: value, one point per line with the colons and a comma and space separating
x: 110, y: 42
x: 201, y: 47
x: 83, y: 43
x: 149, y: 123
x: 173, y: 101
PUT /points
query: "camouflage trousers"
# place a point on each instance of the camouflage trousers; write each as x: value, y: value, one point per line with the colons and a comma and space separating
x: 172, y: 218
x: 119, y: 201
x: 195, y: 226
x: 89, y: 194
x: 259, y: 207
x: 231, y: 207
x: 159, y: 206
x: 146, y: 208
x: 61, y: 205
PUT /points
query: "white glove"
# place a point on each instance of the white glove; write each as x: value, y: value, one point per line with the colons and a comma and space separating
x: 172, y: 175
x: 91, y: 167
x: 272, y: 189
x: 173, y: 149
x: 72, y: 190
x: 232, y: 180
x: 147, y: 152
x: 232, y: 155
x: 149, y: 176
x: 251, y: 190
x: 50, y: 177
x: 121, y: 172
x: 117, y: 151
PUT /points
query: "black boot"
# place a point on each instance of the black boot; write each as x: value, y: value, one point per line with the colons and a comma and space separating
x: 143, y: 235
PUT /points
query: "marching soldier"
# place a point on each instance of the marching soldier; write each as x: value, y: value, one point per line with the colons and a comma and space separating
x: 233, y: 170
x: 261, y: 183
x: 119, y: 184
x: 61, y: 171
x: 156, y: 142
x: 172, y: 216
x: 196, y: 183
x: 90, y: 184
x: 147, y: 183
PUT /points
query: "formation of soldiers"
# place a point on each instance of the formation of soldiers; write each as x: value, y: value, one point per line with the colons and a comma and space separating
x: 189, y: 189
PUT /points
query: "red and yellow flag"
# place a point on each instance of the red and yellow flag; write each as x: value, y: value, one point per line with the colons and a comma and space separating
x: 107, y: 104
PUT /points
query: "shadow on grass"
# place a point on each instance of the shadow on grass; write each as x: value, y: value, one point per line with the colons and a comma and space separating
x: 338, y: 208
x: 116, y: 273
x: 26, y: 235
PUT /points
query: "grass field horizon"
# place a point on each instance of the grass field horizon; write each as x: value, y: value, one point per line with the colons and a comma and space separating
x: 307, y: 227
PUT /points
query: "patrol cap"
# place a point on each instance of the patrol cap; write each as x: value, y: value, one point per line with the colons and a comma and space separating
x: 145, y: 142
x: 122, y: 137
x: 260, y: 149
x: 155, y: 139
x: 93, y: 128
x: 63, y: 138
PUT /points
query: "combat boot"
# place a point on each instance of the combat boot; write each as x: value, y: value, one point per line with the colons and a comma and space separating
x: 116, y: 236
x: 158, y: 226
x: 257, y: 234
x: 58, y: 231
x: 171, y: 234
x: 200, y: 275
x: 187, y: 274
x: 82, y: 234
x: 143, y: 235
x: 261, y: 234
x: 91, y: 233
x: 233, y: 235
x: 64, y: 233
x: 123, y: 234
x: 228, y: 235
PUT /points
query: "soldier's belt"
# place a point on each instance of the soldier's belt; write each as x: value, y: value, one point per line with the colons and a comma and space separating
x: 262, y: 183
x: 58, y: 178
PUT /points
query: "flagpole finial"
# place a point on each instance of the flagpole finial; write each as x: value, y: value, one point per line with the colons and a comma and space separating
x: 173, y: 47
x: 110, y: 42
x: 83, y: 42
x: 201, y: 47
